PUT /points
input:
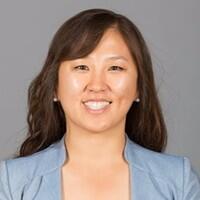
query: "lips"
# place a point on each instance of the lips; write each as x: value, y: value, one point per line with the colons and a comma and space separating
x: 97, y: 100
x: 97, y: 104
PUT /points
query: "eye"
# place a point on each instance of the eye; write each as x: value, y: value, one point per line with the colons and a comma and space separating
x: 116, y: 68
x: 81, y: 67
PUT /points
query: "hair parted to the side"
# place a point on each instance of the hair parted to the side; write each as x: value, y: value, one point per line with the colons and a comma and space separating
x: 77, y: 38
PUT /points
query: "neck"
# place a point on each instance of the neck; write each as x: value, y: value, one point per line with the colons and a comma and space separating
x: 95, y: 149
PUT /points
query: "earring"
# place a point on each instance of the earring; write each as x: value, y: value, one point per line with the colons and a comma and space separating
x: 137, y: 100
x: 55, y: 99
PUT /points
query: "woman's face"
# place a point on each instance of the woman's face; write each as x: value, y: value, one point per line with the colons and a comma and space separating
x: 97, y: 91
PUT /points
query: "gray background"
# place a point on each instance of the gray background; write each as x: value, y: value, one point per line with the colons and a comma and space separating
x: 171, y: 29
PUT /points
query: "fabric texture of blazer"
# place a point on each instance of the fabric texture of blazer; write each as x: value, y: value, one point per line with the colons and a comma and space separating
x: 153, y: 176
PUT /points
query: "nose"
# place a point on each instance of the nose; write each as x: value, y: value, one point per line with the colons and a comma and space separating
x: 97, y: 82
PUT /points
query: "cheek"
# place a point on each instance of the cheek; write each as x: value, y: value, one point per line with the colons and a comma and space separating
x: 125, y: 87
x: 69, y: 86
x: 75, y: 84
x: 126, y: 91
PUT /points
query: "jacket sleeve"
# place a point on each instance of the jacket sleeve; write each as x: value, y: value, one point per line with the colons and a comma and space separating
x: 191, y: 182
x: 4, y: 182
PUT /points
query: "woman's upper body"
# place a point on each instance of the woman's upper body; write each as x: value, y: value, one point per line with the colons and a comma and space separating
x: 96, y: 84
x: 153, y: 175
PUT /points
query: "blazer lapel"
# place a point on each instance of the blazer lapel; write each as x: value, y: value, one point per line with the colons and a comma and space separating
x: 140, y: 186
x: 144, y: 184
x: 49, y: 187
x: 139, y: 180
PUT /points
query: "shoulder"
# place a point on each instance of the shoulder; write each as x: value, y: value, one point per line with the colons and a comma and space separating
x: 171, y: 171
x: 17, y: 172
x: 155, y: 162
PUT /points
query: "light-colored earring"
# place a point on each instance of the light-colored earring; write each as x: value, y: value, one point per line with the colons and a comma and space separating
x: 137, y: 100
x: 55, y: 99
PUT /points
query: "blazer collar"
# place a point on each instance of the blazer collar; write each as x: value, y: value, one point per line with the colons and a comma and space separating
x: 61, y: 152
x: 59, y: 156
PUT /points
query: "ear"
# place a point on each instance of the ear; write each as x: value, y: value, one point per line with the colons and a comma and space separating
x: 55, y: 95
x: 137, y: 94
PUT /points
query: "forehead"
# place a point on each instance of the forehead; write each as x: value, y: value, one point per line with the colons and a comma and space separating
x: 112, y: 45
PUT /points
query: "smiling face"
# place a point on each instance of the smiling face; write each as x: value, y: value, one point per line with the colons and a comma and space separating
x: 97, y: 91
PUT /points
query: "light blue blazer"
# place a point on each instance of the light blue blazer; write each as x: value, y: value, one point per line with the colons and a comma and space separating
x: 154, y: 176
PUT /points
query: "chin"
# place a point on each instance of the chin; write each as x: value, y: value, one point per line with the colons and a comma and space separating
x: 96, y: 130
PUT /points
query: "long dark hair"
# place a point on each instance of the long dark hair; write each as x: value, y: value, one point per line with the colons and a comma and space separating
x: 77, y: 38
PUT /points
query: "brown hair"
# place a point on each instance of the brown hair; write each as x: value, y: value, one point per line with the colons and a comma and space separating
x: 77, y: 38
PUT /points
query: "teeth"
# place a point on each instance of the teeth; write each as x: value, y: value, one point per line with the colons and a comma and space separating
x: 96, y: 105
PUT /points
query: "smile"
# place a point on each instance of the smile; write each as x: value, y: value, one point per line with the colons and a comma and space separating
x: 96, y: 106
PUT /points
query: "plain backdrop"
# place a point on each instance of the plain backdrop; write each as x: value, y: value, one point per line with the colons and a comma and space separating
x: 171, y: 29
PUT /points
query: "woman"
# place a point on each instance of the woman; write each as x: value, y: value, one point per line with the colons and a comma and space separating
x: 96, y: 129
